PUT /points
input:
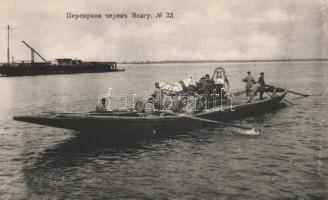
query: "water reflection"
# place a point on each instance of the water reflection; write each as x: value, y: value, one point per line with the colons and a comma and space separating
x: 79, y: 149
x: 51, y: 169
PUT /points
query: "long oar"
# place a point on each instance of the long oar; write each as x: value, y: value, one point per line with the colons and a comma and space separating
x: 304, y: 95
x: 282, y: 99
x: 290, y: 91
x: 248, y: 130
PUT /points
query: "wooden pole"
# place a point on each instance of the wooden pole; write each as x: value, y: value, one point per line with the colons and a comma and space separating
x: 8, y: 56
x: 32, y: 56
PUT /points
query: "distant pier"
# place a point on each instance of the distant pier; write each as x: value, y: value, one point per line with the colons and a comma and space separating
x: 59, y: 66
x: 67, y: 67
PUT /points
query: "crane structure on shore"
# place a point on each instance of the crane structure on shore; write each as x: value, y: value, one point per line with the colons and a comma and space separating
x: 32, y: 53
x: 59, y: 66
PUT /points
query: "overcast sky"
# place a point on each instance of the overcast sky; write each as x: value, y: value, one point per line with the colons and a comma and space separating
x: 204, y: 29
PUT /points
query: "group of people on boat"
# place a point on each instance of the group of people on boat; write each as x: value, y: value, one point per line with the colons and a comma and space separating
x: 252, y: 86
x: 214, y: 88
x: 218, y: 84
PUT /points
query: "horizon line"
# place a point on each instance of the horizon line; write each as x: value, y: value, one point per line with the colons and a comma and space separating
x: 223, y: 61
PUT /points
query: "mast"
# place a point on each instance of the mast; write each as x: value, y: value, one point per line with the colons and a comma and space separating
x: 8, y: 56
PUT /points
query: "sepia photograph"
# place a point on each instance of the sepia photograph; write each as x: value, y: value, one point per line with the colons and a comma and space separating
x: 174, y: 99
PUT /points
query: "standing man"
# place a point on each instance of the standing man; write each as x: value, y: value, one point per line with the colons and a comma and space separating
x: 249, y: 80
x: 262, y: 85
x: 253, y: 92
x: 201, y: 85
x: 158, y: 97
x: 209, y: 85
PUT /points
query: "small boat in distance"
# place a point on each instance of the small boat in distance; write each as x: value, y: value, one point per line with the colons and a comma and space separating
x: 133, y: 124
x: 59, y: 66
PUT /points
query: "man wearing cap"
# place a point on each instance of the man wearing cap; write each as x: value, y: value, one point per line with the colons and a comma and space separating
x: 249, y: 80
x: 262, y: 85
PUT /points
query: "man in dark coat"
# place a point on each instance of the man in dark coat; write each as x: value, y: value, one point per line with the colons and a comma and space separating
x: 262, y: 85
x: 200, y: 85
x: 209, y: 85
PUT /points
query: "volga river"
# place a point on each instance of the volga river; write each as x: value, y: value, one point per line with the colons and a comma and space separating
x: 288, y: 161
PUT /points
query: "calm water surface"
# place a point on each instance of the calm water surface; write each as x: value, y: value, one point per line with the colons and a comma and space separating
x: 288, y: 161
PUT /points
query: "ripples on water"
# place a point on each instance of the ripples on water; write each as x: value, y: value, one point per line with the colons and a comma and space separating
x: 289, y: 159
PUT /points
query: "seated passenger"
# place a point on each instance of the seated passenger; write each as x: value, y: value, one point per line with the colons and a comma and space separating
x: 221, y: 81
x: 101, y: 105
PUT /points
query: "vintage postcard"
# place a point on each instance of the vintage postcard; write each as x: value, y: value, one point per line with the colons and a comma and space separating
x: 175, y: 99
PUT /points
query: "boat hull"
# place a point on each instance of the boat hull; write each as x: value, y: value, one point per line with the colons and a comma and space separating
x: 145, y: 124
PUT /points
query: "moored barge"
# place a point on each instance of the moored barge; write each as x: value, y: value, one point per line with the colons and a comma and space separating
x: 59, y: 66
